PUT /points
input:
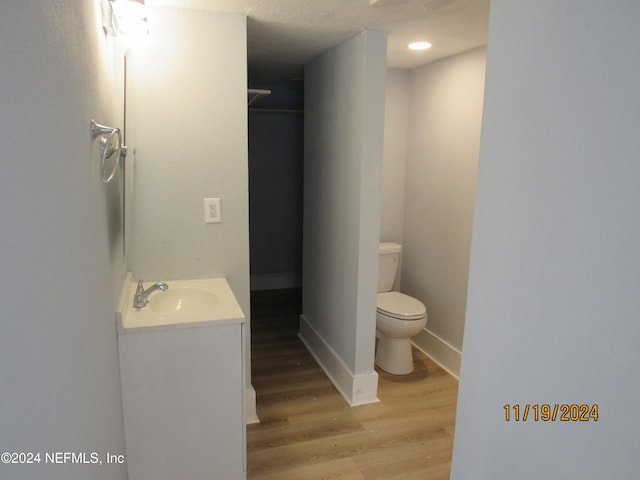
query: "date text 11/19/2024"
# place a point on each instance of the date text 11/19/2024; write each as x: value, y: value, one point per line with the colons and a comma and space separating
x: 550, y: 413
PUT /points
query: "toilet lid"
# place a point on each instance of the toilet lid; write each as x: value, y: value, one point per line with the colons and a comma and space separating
x: 399, y: 305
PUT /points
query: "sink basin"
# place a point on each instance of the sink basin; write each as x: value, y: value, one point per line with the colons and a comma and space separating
x: 186, y: 303
x: 182, y: 301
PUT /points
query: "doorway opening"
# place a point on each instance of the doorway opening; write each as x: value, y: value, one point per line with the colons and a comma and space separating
x: 276, y: 149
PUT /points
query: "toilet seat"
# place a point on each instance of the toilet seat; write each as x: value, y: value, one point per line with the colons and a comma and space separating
x: 400, y: 306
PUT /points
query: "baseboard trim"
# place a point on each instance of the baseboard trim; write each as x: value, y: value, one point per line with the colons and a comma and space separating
x: 358, y: 389
x: 440, y: 351
x: 250, y: 412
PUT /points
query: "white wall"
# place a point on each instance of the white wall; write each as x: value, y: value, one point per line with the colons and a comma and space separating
x: 189, y: 98
x: 552, y: 313
x: 445, y: 117
x: 189, y: 101
x: 344, y: 112
x: 396, y: 124
x: 61, y: 261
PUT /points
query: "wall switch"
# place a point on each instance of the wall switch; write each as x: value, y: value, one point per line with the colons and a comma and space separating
x: 212, y: 212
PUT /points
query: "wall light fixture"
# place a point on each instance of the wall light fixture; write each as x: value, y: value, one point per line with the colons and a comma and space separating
x: 125, y: 17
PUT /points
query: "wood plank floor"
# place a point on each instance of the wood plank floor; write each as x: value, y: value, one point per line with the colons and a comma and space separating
x: 307, y: 429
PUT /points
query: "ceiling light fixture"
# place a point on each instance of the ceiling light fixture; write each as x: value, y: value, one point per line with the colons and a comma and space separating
x: 419, y: 45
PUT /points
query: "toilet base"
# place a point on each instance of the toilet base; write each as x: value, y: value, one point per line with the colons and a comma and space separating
x: 394, y: 355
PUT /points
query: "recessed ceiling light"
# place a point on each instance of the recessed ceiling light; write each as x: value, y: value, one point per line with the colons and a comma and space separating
x: 419, y: 45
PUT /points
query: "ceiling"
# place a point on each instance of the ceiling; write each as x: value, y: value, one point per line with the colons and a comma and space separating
x: 285, y: 34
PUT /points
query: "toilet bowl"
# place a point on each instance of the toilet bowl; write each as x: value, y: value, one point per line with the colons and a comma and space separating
x: 399, y: 317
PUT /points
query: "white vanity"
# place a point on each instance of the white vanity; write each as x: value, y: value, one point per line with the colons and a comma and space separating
x: 181, y: 370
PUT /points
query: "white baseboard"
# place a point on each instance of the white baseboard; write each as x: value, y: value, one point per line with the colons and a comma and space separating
x: 356, y: 389
x: 440, y: 351
x: 275, y: 281
x: 250, y: 412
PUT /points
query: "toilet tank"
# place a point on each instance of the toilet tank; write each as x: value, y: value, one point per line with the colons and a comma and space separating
x: 389, y: 256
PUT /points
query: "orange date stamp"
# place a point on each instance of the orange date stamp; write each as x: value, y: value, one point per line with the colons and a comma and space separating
x: 565, y: 412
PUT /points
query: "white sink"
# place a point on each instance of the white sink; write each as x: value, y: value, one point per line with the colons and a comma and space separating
x: 183, y: 302
x: 189, y: 302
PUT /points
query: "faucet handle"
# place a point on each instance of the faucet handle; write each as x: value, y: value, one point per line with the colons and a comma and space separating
x: 139, y: 299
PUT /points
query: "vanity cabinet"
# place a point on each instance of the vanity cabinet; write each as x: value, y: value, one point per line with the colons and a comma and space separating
x: 182, y: 395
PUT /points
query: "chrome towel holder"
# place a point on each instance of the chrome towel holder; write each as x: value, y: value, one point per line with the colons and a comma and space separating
x: 108, y: 149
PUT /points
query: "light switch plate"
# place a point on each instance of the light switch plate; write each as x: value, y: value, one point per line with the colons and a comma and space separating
x: 212, y: 212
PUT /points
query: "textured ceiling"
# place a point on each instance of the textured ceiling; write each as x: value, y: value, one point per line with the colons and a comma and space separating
x: 285, y: 34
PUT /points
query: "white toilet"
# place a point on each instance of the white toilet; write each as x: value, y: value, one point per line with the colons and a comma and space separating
x: 398, y: 318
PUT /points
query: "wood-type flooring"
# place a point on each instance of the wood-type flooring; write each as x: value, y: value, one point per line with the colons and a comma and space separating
x: 308, y: 431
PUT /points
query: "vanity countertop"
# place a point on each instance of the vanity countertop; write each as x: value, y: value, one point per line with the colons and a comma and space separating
x: 187, y: 303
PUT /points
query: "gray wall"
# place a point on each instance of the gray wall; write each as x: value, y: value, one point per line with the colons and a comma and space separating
x: 394, y: 159
x: 344, y: 111
x: 276, y: 131
x: 61, y: 260
x: 552, y: 313
x: 445, y: 116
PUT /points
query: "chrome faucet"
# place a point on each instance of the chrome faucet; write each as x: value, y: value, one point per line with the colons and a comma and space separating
x: 141, y: 298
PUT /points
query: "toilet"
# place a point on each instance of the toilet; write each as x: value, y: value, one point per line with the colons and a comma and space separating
x: 399, y: 317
